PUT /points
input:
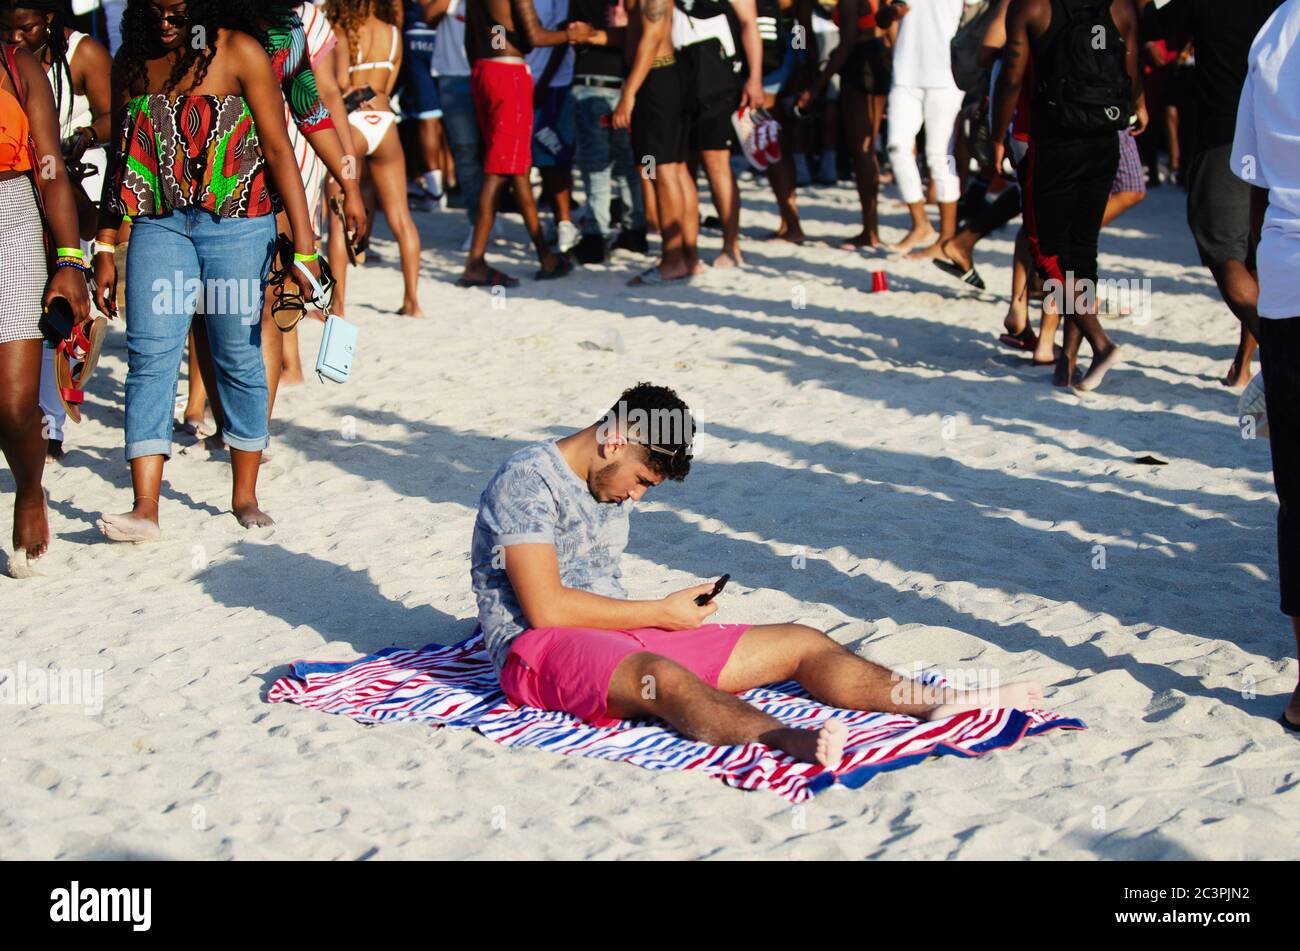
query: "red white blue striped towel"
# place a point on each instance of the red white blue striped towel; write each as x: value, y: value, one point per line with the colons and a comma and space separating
x: 457, y: 686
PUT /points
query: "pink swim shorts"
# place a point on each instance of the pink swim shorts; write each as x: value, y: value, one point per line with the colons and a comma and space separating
x: 569, y: 668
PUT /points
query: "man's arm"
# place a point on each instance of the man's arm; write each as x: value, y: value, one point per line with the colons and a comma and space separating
x: 848, y: 14
x: 534, y: 573
x: 526, y: 22
x: 1126, y: 21
x: 747, y: 14
x: 656, y: 26
x: 995, y: 38
x: 1015, y: 59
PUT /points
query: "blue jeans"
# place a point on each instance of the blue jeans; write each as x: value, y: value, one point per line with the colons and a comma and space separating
x: 176, y: 264
x: 604, y: 158
x: 461, y: 123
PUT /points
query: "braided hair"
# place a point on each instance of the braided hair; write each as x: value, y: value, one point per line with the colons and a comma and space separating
x: 140, y: 43
x: 57, y: 41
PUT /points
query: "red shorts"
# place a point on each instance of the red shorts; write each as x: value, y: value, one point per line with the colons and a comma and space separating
x: 569, y: 668
x: 503, y: 102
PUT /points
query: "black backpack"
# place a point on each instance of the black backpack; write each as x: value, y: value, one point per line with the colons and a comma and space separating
x: 966, y: 43
x: 1083, y: 82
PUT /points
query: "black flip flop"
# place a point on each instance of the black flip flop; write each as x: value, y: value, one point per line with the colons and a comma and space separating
x: 494, y: 278
x: 1293, y: 727
x: 563, y: 269
x: 1025, y: 340
x: 971, y: 277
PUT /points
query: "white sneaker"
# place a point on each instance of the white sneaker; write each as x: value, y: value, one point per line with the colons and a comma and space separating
x: 567, y: 237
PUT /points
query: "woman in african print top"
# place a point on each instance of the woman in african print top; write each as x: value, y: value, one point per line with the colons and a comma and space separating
x: 201, y: 162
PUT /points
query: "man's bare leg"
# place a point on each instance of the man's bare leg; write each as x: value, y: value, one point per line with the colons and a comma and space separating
x: 769, y: 653
x: 476, y: 268
x: 669, y: 201
x: 726, y: 200
x: 532, y: 222
x: 690, y: 217
x: 646, y: 684
x: 1240, y: 291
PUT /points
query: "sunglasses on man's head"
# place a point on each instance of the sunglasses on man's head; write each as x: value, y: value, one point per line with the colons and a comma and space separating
x: 670, y: 453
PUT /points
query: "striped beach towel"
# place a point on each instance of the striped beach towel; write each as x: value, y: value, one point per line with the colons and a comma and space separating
x: 457, y: 686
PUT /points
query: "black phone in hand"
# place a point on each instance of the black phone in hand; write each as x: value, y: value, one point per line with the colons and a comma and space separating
x: 704, y: 599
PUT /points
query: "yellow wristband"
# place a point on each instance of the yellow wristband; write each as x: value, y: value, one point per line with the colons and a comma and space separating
x: 103, y: 247
x: 71, y: 253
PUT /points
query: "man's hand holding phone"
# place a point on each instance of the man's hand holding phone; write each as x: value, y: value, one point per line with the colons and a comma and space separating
x: 680, y: 612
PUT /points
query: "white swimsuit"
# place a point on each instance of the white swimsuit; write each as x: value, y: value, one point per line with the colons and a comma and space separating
x: 373, y: 124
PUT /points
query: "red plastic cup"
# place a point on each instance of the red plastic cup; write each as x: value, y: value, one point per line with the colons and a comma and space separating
x: 878, y: 282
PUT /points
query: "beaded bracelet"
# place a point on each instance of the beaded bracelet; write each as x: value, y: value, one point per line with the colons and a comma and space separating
x: 71, y: 262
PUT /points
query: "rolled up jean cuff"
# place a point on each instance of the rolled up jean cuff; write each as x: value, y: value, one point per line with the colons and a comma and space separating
x: 148, y: 447
x: 255, y: 444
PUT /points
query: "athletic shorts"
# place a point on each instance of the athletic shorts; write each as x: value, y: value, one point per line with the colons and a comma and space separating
x: 503, y: 102
x: 417, y: 90
x: 1065, y: 185
x: 1218, y: 209
x: 658, y: 117
x: 569, y: 668
x: 1130, y: 177
x: 712, y: 94
x: 554, y: 129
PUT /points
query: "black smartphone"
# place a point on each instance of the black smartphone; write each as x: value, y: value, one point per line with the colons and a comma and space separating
x: 358, y: 97
x: 57, y: 321
x: 717, y: 590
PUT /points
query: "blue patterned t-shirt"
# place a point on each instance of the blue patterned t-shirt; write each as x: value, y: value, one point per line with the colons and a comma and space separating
x: 536, y: 498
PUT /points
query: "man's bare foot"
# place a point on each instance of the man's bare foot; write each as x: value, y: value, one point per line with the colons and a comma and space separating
x: 138, y: 525
x: 793, y: 235
x: 411, y: 309
x: 728, y: 259
x: 948, y: 248
x: 1021, y: 695
x: 31, y: 525
x: 54, y: 450
x: 1237, y: 375
x: 1066, y: 371
x: 823, y: 746
x: 915, y: 239
x: 862, y: 240
x: 1101, y: 363
x: 932, y: 252
x: 250, y: 516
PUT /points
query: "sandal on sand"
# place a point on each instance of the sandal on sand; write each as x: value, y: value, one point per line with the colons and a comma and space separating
x: 75, y: 360
x: 563, y: 269
x: 971, y: 277
x: 1025, y: 340
x: 494, y: 278
x: 1293, y: 727
x: 651, y: 277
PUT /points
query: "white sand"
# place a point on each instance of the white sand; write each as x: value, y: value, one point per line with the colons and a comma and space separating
x: 823, y: 434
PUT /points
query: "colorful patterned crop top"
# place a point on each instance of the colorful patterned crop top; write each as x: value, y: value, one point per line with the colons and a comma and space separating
x: 192, y: 151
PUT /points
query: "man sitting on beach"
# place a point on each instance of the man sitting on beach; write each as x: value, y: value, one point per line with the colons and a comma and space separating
x: 551, y: 528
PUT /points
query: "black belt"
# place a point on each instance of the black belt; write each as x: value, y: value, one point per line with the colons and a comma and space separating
x: 604, y: 82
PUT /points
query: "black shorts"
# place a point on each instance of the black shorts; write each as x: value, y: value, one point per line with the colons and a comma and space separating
x: 658, y: 118
x: 1218, y: 209
x: 1065, y: 185
x: 1279, y: 348
x: 713, y: 90
x: 869, y: 68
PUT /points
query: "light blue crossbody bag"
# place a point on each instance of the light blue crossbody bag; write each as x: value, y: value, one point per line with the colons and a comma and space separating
x: 338, y: 347
x: 338, y: 344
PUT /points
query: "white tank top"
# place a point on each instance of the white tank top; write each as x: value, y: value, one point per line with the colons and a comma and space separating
x: 74, y: 109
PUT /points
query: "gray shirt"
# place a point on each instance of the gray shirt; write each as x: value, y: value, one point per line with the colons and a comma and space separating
x: 536, y: 498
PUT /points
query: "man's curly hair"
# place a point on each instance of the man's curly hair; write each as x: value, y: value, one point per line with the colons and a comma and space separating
x: 667, y: 444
